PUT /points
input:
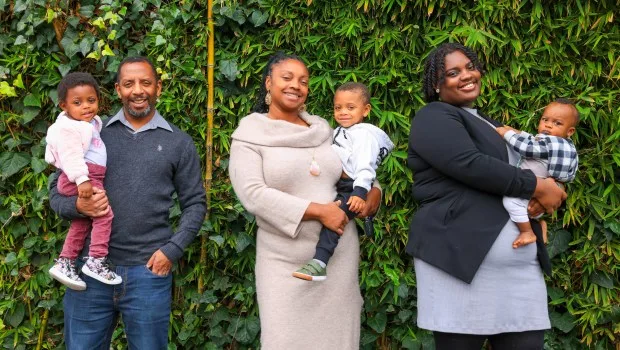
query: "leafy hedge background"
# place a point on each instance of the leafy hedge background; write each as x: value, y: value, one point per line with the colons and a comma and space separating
x: 534, y: 51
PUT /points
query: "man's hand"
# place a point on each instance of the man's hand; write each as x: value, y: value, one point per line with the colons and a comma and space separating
x: 501, y: 130
x: 95, y: 206
x: 159, y: 264
x: 85, y: 190
x: 356, y: 204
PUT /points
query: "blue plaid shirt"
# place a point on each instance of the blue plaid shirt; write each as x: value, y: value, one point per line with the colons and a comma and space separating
x: 559, y: 152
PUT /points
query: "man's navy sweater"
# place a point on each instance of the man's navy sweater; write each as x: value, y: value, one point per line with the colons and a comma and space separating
x: 143, y: 171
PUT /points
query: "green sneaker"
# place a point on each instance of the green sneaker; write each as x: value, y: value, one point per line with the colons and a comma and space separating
x: 312, y: 271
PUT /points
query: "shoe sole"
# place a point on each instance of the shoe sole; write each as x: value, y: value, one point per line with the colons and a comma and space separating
x: 303, y: 276
x: 71, y: 284
x: 89, y: 273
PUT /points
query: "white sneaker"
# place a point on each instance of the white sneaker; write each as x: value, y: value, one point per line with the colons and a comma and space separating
x: 99, y: 269
x: 64, y: 272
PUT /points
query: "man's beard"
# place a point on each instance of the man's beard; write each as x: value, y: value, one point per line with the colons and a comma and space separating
x: 139, y: 115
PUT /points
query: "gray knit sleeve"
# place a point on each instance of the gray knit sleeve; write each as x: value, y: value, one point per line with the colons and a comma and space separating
x: 191, y: 194
x: 63, y: 206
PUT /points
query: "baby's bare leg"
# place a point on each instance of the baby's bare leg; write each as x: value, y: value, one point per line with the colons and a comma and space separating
x: 526, y: 235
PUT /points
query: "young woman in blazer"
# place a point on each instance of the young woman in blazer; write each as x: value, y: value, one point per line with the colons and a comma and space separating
x: 472, y: 285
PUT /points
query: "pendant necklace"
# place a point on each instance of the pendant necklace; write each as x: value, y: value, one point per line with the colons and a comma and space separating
x: 315, y: 169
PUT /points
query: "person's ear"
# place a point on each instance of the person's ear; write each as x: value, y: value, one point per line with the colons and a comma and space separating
x: 63, y: 105
x: 367, y: 109
x: 268, y: 83
x: 118, y: 90
x: 570, y: 131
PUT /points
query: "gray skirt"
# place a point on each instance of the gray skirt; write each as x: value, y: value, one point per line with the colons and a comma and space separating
x: 508, y: 293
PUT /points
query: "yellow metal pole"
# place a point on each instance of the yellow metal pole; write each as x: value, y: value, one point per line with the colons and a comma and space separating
x: 209, y: 141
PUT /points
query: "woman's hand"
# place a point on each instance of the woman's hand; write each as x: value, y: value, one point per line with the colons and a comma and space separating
x: 534, y: 208
x: 330, y: 215
x: 373, y: 201
x: 548, y: 194
x: 334, y: 218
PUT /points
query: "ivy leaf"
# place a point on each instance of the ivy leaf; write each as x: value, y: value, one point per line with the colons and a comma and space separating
x: 87, y: 10
x: 10, y: 259
x: 404, y: 315
x: 86, y: 44
x: 20, y: 40
x: 208, y: 297
x: 602, y: 280
x: 378, y: 322
x: 368, y: 338
x: 245, y: 329
x: 229, y: 69
x: 32, y: 100
x: 38, y: 165
x: 564, y: 322
x: 99, y: 23
x: 411, y: 344
x: 49, y: 15
x: 29, y: 114
x: 157, y: 25
x: 30, y: 242
x: 73, y: 21
x: 47, y: 304
x: 18, y: 82
x: 555, y: 293
x: 107, y: 51
x: 159, y: 40
x: 243, y: 241
x: 6, y: 89
x: 64, y: 69
x: 217, y: 239
x: 17, y: 315
x: 258, y: 18
x: 12, y: 163
x: 20, y: 6
x: 558, y: 243
x: 613, y: 225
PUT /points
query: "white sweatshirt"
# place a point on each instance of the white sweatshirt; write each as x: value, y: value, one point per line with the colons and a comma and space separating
x: 361, y: 148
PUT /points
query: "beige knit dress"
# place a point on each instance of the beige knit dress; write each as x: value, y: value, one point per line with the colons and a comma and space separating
x: 269, y: 169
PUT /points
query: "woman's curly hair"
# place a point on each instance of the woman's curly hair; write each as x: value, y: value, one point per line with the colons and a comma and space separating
x: 260, y: 106
x: 435, y: 69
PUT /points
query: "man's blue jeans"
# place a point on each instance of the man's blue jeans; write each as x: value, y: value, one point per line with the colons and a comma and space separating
x: 143, y: 300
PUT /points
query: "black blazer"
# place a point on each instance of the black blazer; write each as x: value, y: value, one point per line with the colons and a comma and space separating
x: 461, y: 172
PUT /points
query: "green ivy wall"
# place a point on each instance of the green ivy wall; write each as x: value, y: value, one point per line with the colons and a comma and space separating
x: 534, y: 51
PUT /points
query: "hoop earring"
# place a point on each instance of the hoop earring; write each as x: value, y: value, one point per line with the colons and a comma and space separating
x: 437, y: 90
x: 302, y: 108
x: 268, y: 98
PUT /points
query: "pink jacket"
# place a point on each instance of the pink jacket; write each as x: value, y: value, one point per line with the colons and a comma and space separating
x: 67, y: 142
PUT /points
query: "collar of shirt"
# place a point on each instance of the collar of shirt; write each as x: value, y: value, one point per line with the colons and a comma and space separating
x: 156, y: 122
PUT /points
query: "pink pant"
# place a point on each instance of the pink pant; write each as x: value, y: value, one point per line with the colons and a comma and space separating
x: 101, y: 226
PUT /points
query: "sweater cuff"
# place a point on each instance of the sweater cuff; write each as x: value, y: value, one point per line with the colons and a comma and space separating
x: 81, y: 179
x: 359, y: 192
x: 172, y: 251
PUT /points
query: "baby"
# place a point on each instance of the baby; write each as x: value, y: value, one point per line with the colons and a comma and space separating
x: 361, y: 148
x: 549, y: 154
x: 74, y: 146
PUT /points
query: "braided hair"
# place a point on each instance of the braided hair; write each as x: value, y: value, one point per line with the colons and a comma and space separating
x: 435, y: 69
x: 260, y: 106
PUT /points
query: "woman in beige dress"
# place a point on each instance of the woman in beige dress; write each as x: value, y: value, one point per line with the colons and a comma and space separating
x: 272, y: 154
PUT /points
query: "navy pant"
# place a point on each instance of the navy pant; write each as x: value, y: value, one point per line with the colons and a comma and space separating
x: 143, y: 300
x: 328, y: 239
x: 528, y: 340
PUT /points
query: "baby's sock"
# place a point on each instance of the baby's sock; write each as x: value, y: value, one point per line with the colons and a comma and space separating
x: 320, y: 262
